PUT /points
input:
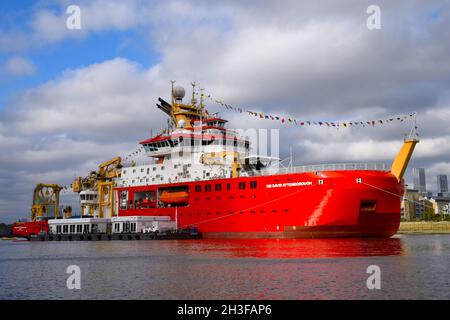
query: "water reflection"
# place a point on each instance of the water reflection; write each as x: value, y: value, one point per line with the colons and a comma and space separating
x: 300, y: 248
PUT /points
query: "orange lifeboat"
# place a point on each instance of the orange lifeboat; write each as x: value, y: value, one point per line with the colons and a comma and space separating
x: 174, y: 197
x: 146, y: 203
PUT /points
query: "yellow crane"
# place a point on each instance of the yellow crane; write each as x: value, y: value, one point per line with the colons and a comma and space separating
x: 401, y: 161
x: 45, y: 198
x: 100, y: 182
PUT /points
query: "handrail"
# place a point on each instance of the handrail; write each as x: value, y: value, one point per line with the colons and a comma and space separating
x: 324, y: 167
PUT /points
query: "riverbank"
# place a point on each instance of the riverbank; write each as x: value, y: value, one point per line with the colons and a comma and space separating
x: 424, y: 227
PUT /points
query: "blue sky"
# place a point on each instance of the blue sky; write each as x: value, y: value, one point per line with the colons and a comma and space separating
x: 51, y: 59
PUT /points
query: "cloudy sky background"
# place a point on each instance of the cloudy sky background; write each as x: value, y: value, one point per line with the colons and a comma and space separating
x: 70, y: 99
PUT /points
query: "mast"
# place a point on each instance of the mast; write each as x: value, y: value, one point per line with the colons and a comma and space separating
x: 171, y: 94
x: 193, y: 101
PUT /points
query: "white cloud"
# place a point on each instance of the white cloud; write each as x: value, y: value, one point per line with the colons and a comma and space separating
x: 18, y: 66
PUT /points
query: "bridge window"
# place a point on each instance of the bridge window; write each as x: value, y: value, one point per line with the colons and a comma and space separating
x: 218, y: 187
x: 208, y: 188
x: 198, y: 188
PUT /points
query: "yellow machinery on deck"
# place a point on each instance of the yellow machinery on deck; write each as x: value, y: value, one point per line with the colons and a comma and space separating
x: 45, y: 197
x: 101, y: 182
x: 220, y: 158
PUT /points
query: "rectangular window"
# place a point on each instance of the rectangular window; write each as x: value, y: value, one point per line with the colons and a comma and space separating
x: 228, y: 186
x: 253, y: 184
x: 79, y: 228
x: 72, y: 228
x: 241, y: 185
x: 208, y: 188
x: 86, y: 228
x: 65, y: 229
x: 58, y: 229
x: 198, y: 188
x: 123, y: 200
x: 218, y: 187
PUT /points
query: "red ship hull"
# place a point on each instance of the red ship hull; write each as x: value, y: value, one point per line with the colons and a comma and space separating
x: 356, y: 203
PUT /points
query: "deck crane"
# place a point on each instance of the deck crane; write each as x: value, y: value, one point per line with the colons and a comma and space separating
x: 45, y: 206
x: 96, y: 189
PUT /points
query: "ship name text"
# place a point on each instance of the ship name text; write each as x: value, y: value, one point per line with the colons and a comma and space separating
x: 289, y: 184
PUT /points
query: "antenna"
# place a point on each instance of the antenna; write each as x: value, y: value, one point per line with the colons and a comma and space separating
x: 171, y: 94
x: 193, y: 84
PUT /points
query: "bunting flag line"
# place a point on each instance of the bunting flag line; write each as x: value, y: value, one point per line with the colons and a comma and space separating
x: 291, y: 120
x: 133, y: 154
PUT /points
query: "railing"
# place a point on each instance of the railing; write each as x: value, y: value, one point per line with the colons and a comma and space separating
x: 324, y: 167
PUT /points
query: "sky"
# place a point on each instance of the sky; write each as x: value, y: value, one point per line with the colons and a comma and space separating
x: 70, y: 99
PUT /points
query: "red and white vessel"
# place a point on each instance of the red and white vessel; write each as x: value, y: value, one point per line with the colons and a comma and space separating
x: 202, y: 175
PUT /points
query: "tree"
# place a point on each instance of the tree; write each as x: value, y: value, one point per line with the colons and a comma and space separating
x: 5, y: 230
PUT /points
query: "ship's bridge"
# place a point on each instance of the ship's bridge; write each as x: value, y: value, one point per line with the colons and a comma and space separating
x: 209, y: 140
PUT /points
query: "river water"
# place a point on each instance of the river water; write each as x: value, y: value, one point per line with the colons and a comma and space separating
x: 411, y: 267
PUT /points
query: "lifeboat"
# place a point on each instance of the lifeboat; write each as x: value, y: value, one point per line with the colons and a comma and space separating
x: 146, y: 203
x: 174, y: 197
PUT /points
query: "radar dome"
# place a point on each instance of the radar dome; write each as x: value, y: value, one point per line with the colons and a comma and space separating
x: 178, y: 93
x: 181, y: 123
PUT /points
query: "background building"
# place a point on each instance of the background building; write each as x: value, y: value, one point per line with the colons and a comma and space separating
x: 442, y: 184
x: 415, y: 206
x: 409, y: 204
x: 419, y: 179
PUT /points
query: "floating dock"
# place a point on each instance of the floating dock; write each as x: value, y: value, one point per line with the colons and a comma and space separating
x: 180, y: 235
